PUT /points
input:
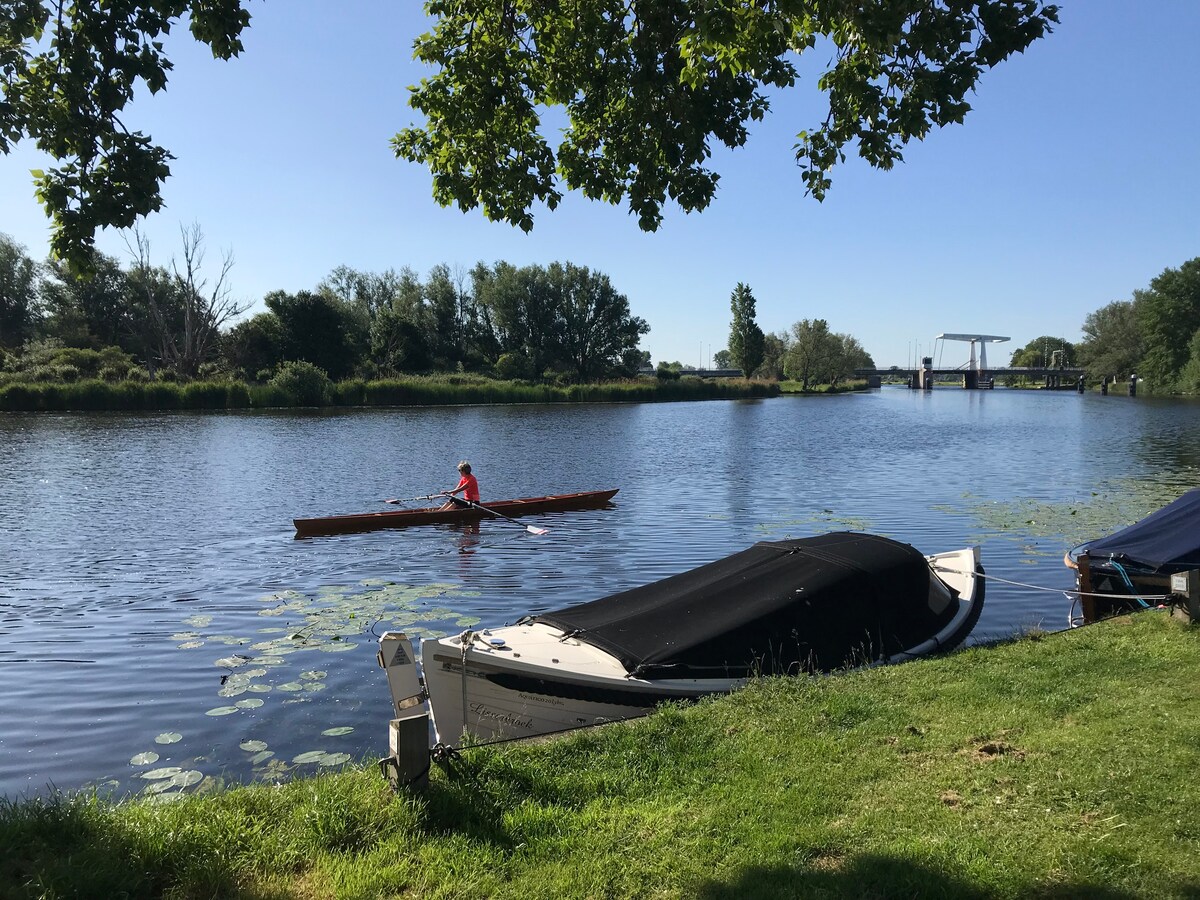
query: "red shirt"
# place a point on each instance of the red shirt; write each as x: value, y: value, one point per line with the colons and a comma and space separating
x: 472, y: 491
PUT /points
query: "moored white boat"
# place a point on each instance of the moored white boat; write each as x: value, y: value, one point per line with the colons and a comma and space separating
x: 782, y: 607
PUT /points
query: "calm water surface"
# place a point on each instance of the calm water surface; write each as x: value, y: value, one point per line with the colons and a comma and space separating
x: 158, y: 618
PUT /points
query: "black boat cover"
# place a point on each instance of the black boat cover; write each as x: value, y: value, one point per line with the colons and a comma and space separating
x: 779, y: 607
x: 1166, y: 541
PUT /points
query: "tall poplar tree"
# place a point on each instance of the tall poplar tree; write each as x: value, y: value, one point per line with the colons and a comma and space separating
x: 745, y: 337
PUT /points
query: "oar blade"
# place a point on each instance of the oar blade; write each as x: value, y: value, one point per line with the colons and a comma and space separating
x: 532, y: 530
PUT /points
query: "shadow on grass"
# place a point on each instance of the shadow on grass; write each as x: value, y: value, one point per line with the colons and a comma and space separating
x: 879, y: 878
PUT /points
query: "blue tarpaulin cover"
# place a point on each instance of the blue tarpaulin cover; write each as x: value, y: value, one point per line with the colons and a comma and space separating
x: 1166, y: 541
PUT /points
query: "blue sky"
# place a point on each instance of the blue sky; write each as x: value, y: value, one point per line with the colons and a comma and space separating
x: 1073, y: 182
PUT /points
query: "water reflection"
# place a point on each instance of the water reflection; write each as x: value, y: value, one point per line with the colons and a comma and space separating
x: 151, y: 585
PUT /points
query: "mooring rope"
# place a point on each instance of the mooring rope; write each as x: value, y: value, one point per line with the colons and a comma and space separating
x: 1038, y: 587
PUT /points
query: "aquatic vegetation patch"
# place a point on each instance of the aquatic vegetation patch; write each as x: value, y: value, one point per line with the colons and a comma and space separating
x: 820, y: 520
x: 1112, y: 505
x: 334, y: 619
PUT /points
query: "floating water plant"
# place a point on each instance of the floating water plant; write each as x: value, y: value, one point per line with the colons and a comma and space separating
x: 332, y: 619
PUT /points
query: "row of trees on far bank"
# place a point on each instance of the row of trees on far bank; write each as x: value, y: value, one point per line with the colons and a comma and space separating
x: 1155, y: 335
x: 561, y: 320
x: 809, y: 352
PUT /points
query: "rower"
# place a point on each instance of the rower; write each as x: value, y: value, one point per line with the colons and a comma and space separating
x: 467, y: 485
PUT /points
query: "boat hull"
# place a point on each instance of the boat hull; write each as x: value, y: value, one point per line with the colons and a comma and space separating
x: 530, y: 679
x: 405, y: 518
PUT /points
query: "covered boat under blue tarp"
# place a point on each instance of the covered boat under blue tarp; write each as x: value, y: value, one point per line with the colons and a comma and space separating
x: 1164, y: 542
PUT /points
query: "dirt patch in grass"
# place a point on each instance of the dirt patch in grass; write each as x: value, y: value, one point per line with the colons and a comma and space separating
x: 986, y: 751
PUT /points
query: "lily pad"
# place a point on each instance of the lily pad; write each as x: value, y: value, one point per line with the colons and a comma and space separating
x: 144, y: 759
x: 253, y: 746
x: 188, y: 778
x: 333, y: 759
x: 290, y: 686
x: 222, y: 711
x: 198, y: 621
x: 191, y: 645
x: 158, y: 793
x: 340, y: 730
x: 164, y: 772
x: 261, y: 757
x: 311, y: 756
x: 169, y: 737
x: 252, y: 703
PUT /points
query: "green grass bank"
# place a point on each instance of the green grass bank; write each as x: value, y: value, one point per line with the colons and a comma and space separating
x: 96, y: 394
x: 1054, y: 766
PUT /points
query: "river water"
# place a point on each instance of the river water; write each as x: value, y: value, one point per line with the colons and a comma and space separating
x: 158, y: 617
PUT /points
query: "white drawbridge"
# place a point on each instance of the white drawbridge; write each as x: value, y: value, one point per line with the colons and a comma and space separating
x: 982, y: 340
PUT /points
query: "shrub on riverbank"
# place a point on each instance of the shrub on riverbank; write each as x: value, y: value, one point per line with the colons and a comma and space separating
x: 97, y: 395
x: 845, y: 387
x: 303, y: 385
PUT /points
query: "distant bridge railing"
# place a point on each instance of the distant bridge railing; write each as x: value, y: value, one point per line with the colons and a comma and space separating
x: 1054, y: 377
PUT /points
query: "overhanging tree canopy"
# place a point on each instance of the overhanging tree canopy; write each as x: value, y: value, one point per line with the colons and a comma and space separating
x: 67, y: 71
x: 648, y: 85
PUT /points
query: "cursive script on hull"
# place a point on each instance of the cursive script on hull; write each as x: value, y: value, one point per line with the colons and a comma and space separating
x: 483, y: 712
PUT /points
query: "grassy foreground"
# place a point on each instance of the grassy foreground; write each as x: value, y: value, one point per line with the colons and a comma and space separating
x: 1059, y: 766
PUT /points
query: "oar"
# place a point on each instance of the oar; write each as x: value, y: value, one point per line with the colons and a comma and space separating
x: 479, y: 506
x: 411, y: 499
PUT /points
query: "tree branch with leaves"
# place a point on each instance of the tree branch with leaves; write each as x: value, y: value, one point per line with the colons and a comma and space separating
x: 649, y: 86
